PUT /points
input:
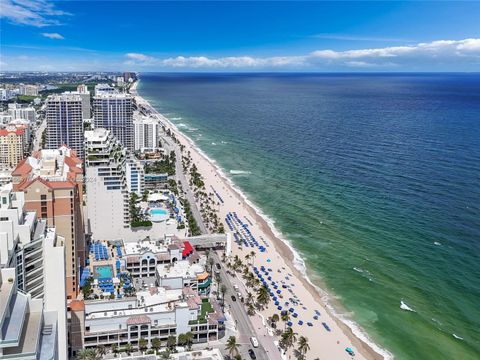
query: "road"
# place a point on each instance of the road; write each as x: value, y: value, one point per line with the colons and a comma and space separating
x: 37, y: 141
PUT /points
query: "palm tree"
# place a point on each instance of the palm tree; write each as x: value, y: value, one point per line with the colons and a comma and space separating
x: 289, y: 337
x: 211, y: 262
x: 285, y: 316
x: 115, y: 349
x: 128, y: 348
x: 223, y: 290
x: 275, y: 318
x: 303, y: 346
x: 156, y: 344
x: 237, y: 357
x: 249, y: 297
x: 181, y: 339
x: 232, y: 345
x: 142, y: 344
x: 263, y: 296
x: 171, y: 342
x: 189, y: 340
x: 252, y: 256
x: 101, y: 351
x: 86, y: 354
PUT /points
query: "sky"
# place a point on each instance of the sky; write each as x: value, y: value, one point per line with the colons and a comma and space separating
x: 107, y: 35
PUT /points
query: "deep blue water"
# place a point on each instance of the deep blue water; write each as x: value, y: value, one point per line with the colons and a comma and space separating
x: 374, y: 179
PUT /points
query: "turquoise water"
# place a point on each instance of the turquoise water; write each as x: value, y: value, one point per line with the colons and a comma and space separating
x: 158, y: 211
x: 104, y: 272
x: 374, y: 179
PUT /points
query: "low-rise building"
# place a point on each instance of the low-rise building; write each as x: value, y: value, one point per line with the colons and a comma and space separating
x: 154, y: 313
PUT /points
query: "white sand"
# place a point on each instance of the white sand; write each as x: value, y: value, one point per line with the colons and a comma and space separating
x: 323, y: 344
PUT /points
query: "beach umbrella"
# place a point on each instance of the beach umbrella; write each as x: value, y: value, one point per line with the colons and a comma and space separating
x: 295, y: 315
x: 309, y: 324
x: 278, y: 291
x: 291, y: 310
x: 300, y: 322
x: 277, y: 303
x: 315, y: 317
x: 289, y: 323
x: 279, y: 307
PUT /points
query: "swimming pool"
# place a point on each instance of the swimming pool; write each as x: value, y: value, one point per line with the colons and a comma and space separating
x: 104, y: 272
x: 158, y: 214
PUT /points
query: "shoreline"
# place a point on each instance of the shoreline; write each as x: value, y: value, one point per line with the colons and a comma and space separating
x: 358, y: 338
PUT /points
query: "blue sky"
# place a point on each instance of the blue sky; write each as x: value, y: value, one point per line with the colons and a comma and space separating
x: 240, y: 36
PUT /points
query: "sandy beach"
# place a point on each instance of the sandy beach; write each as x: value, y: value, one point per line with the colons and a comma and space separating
x: 279, y: 261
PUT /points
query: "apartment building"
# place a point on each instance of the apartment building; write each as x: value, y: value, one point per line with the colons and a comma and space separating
x: 17, y: 111
x: 65, y: 122
x: 147, y: 131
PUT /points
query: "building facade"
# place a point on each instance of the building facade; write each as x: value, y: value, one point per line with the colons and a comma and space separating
x: 135, y: 176
x: 52, y: 181
x: 114, y: 112
x: 65, y: 122
x: 106, y: 185
x: 12, y: 146
x: 17, y: 111
x: 146, y: 133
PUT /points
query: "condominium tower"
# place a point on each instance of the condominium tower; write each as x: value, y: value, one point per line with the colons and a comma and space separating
x: 114, y: 112
x: 65, y: 122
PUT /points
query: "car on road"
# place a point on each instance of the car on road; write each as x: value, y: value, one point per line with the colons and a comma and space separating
x: 254, y: 341
x: 234, y: 298
x: 252, y: 354
x: 217, y: 265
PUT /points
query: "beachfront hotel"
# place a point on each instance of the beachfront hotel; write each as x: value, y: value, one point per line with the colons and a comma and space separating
x: 157, y: 312
x: 64, y: 114
x: 51, y: 181
x: 32, y: 283
x: 106, y: 185
x: 114, y: 111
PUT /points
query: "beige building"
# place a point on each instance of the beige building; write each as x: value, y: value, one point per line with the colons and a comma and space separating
x: 52, y: 183
x: 12, y: 145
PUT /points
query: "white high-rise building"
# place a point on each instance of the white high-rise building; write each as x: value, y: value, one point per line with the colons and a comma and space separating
x: 32, y: 259
x: 65, y: 122
x: 146, y: 133
x: 106, y: 184
x: 16, y: 111
x: 82, y: 91
x: 114, y: 112
x: 135, y: 176
x: 104, y: 89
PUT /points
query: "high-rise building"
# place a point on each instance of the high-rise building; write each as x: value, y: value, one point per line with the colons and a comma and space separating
x: 32, y: 259
x: 146, y: 131
x: 51, y: 181
x: 65, y: 122
x: 82, y: 91
x: 16, y: 111
x: 129, y: 76
x: 29, y: 90
x: 135, y: 176
x: 114, y: 112
x: 12, y: 146
x: 107, y: 192
x: 104, y: 89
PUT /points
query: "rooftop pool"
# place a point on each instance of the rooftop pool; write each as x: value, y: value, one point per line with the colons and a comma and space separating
x: 103, y: 272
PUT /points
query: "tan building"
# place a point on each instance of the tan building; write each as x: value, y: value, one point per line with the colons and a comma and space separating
x: 12, y: 145
x: 52, y: 182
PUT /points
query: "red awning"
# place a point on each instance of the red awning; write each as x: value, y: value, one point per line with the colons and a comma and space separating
x: 187, y: 250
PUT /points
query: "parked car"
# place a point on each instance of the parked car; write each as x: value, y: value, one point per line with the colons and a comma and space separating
x: 234, y: 298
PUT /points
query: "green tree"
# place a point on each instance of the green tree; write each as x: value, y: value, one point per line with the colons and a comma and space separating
x: 223, y: 290
x: 171, y: 342
x: 101, y: 351
x: 263, y: 296
x: 232, y: 346
x: 189, y: 340
x: 285, y: 316
x: 115, y: 349
x: 288, y: 338
x: 157, y: 344
x: 142, y: 344
x: 303, y: 345
x: 128, y: 348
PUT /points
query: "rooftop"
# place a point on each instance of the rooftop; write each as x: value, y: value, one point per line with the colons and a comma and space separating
x: 181, y: 268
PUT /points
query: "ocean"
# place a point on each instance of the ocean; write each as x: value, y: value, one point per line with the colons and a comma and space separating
x: 374, y: 179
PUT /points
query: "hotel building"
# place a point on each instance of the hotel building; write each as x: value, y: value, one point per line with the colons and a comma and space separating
x: 65, y: 122
x: 51, y: 181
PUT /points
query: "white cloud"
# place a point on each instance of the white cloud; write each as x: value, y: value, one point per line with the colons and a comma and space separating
x: 53, y: 36
x: 449, y: 52
x: 37, y: 13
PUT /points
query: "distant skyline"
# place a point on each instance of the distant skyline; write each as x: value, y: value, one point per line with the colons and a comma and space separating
x: 48, y: 35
